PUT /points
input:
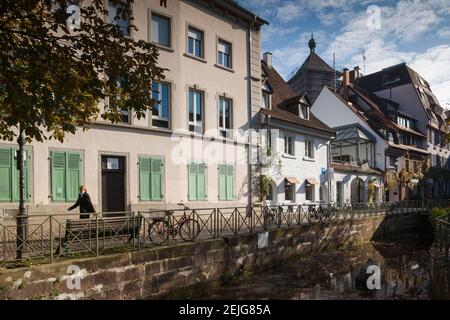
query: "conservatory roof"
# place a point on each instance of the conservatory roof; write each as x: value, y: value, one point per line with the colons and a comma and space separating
x: 351, y: 134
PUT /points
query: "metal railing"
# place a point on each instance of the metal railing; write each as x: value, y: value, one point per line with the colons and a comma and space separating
x: 51, y: 237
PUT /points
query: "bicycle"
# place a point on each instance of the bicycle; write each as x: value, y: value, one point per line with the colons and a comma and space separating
x: 316, y: 212
x: 162, y: 228
x: 270, y: 215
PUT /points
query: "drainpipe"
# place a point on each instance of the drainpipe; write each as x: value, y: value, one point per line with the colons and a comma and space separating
x: 249, y: 111
x: 328, y: 168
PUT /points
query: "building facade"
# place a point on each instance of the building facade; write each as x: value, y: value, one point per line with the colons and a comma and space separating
x: 298, y: 143
x: 417, y: 101
x: 357, y: 151
x: 186, y: 148
x: 400, y: 152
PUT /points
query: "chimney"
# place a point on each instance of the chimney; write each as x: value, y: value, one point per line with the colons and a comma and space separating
x: 355, y: 74
x: 267, y: 57
x: 345, y: 82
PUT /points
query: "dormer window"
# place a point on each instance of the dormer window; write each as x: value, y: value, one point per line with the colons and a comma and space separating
x: 304, y: 111
x: 404, y: 122
x: 265, y: 97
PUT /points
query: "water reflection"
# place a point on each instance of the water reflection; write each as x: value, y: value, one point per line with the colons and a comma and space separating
x: 404, y: 266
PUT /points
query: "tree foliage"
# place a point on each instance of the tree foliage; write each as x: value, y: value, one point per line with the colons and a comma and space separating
x: 53, y: 79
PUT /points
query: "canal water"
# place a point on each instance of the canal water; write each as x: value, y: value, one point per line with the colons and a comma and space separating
x: 404, y: 265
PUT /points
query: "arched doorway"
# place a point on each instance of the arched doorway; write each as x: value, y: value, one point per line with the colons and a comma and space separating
x: 357, y: 189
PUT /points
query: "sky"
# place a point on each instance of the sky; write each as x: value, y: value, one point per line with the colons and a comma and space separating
x: 389, y: 32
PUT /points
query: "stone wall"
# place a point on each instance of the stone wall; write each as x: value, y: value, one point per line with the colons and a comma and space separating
x: 154, y: 273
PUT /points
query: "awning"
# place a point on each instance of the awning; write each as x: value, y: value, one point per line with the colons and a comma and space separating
x: 292, y: 180
x: 311, y: 181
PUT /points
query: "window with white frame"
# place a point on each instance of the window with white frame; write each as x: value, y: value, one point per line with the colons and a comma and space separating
x: 114, y: 101
x: 404, y: 122
x: 309, y: 149
x: 116, y: 17
x: 224, y: 53
x: 289, y: 145
x: 265, y: 99
x: 160, y: 30
x: 161, y: 108
x: 265, y: 96
x: 195, y: 42
x: 225, y: 110
x: 195, y: 111
x: 304, y: 112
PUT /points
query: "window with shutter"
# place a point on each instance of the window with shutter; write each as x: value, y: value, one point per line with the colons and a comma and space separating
x: 16, y: 176
x: 192, y: 181
x: 197, y: 181
x: 58, y: 163
x: 151, y: 177
x: 226, y: 182
x: 230, y: 183
x: 9, y: 175
x: 144, y: 178
x: 66, y: 175
x: 156, y: 179
x: 5, y: 175
x: 223, y: 182
x: 73, y: 176
x: 201, y: 182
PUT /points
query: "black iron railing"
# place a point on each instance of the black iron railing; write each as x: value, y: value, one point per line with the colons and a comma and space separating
x: 51, y: 237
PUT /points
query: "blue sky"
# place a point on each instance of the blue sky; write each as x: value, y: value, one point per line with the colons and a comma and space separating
x: 411, y: 31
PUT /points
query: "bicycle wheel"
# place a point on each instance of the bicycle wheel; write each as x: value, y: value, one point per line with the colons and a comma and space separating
x: 268, y: 222
x: 311, y: 216
x: 189, y: 230
x: 158, y: 232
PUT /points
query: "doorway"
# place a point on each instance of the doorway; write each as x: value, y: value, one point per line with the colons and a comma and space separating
x: 339, y: 193
x: 357, y: 190
x: 113, y: 184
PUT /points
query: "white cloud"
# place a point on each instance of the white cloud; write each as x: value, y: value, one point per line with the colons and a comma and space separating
x: 444, y: 33
x: 288, y: 58
x: 434, y: 65
x: 403, y: 25
x: 288, y: 11
x: 272, y: 31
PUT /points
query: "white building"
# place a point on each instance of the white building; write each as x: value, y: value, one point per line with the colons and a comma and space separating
x: 297, y: 140
x: 357, y: 151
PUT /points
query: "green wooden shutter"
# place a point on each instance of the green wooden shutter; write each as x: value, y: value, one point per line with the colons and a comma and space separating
x: 144, y: 179
x: 230, y: 182
x: 222, y: 182
x: 201, y: 182
x: 73, y: 176
x: 5, y: 174
x: 192, y: 181
x: 16, y: 175
x: 58, y: 168
x: 156, y: 179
